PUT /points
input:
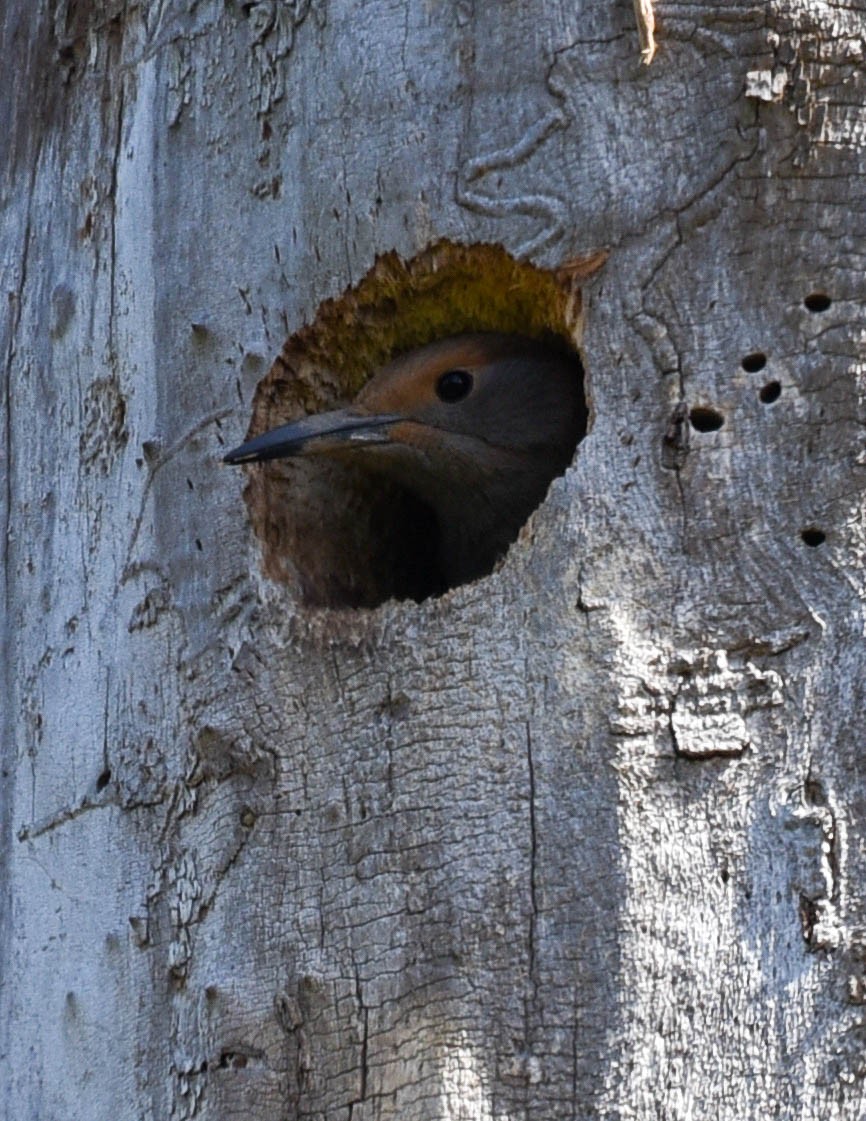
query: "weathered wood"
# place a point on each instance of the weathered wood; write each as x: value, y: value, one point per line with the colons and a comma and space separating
x: 582, y: 839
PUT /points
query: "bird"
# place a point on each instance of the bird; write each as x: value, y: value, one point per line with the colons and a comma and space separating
x: 467, y: 431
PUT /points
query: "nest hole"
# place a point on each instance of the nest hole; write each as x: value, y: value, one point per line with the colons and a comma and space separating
x: 341, y: 536
x: 770, y: 392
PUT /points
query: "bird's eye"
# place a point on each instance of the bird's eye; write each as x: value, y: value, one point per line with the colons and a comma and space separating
x: 453, y: 385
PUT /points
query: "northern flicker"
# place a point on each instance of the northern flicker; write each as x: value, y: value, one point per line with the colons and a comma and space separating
x: 475, y: 427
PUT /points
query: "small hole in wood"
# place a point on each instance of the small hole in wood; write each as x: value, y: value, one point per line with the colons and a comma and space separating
x: 754, y: 362
x: 104, y: 779
x: 817, y: 301
x: 232, y: 1060
x: 770, y: 392
x: 813, y: 537
x: 705, y: 419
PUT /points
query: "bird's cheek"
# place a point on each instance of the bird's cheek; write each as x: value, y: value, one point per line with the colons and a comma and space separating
x: 414, y: 436
x: 416, y: 456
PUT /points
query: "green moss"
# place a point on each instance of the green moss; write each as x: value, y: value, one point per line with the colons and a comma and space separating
x: 446, y: 290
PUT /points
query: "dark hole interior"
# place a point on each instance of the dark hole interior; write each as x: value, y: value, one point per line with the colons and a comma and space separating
x: 817, y: 301
x: 104, y: 779
x: 813, y: 537
x: 770, y: 392
x: 754, y: 362
x: 705, y: 419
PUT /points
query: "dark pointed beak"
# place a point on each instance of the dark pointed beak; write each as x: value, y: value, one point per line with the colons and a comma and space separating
x: 322, y: 433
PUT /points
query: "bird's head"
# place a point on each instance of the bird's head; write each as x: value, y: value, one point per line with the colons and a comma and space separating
x: 471, y: 428
x: 481, y: 400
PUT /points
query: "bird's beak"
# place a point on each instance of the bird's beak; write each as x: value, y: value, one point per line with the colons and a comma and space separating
x: 318, y: 434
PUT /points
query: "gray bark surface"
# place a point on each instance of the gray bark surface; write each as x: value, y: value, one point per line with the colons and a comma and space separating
x: 584, y: 839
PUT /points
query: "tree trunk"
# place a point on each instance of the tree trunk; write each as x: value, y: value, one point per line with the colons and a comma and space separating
x: 583, y: 839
